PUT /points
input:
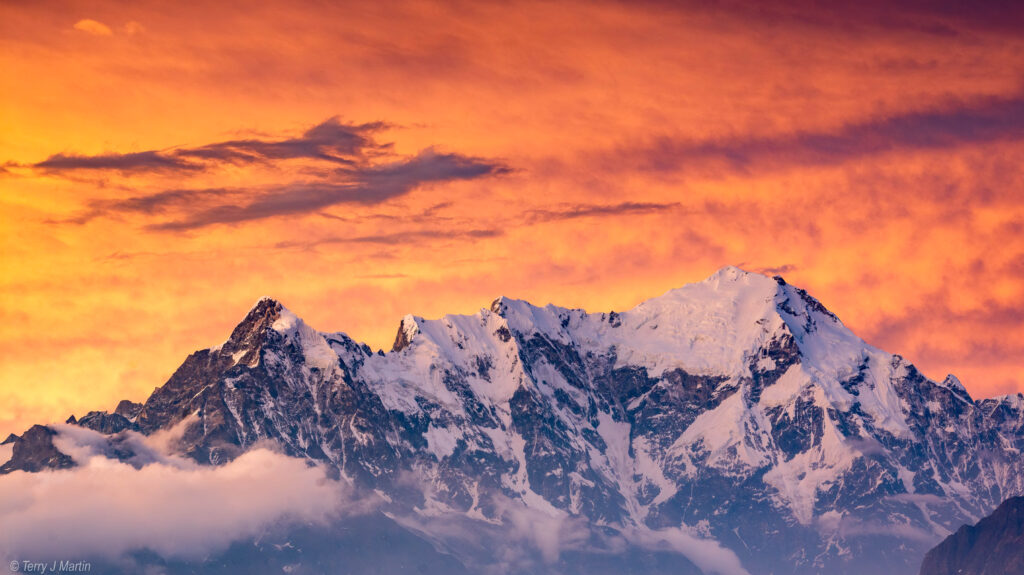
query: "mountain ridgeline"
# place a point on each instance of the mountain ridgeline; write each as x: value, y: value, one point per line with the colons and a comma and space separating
x: 994, y: 546
x: 735, y: 417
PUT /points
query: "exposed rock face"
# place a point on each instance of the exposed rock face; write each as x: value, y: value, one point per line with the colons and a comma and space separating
x: 106, y: 423
x: 34, y: 451
x: 737, y: 409
x: 128, y: 409
x: 994, y: 546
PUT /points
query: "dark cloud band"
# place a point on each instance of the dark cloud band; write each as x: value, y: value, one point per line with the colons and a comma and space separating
x: 981, y: 121
x: 331, y: 141
x: 365, y: 173
x: 571, y: 212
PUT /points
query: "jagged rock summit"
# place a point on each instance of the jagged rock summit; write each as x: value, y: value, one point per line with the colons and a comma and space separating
x: 736, y: 412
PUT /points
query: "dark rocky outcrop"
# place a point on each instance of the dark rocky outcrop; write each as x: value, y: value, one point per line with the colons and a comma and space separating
x: 993, y: 546
x: 128, y: 409
x: 106, y: 423
x: 35, y: 451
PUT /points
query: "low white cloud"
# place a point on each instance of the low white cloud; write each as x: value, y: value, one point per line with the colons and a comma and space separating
x: 93, y: 27
x: 706, y: 554
x: 179, y: 509
x: 926, y: 498
x: 520, y: 538
x: 83, y: 444
x: 845, y: 526
x: 851, y: 527
x: 549, y: 530
x: 164, y: 503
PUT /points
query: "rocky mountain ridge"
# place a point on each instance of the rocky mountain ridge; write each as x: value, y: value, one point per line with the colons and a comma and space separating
x: 994, y: 546
x: 737, y: 411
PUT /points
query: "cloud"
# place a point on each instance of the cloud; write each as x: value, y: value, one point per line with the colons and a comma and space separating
x: 769, y: 270
x: 93, y: 27
x: 525, y: 538
x: 330, y: 141
x: 397, y: 238
x: 357, y: 185
x: 154, y: 500
x: 150, y: 161
x: 926, y: 498
x: 573, y: 211
x: 850, y: 527
x: 988, y: 332
x: 943, y: 18
x: 430, y: 214
x: 943, y: 308
x: 167, y: 504
x: 865, y: 446
x: 563, y: 212
x: 706, y: 554
x: 365, y: 173
x: 152, y: 204
x: 979, y: 121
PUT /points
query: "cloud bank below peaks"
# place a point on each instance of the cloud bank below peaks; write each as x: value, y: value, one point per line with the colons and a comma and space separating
x: 169, y: 505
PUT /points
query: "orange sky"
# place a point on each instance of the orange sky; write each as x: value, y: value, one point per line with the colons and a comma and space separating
x: 163, y: 166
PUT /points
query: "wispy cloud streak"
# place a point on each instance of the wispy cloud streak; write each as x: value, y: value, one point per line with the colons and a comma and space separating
x: 575, y: 211
x: 331, y: 141
x: 397, y: 238
x: 963, y: 123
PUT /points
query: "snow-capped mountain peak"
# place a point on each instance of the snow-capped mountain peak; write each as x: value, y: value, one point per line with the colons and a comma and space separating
x: 736, y: 409
x: 407, y: 330
x: 316, y: 352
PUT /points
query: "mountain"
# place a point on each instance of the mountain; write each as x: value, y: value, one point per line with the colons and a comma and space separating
x: 994, y: 546
x: 732, y: 418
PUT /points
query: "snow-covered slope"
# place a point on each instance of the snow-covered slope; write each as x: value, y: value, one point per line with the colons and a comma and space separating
x: 735, y: 418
